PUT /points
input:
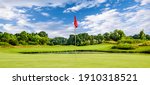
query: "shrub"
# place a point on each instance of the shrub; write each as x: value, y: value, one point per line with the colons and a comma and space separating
x: 23, y: 42
x: 111, y: 42
x: 131, y: 41
x: 125, y: 46
x: 13, y: 42
x: 146, y: 43
x: 4, y: 44
x: 33, y: 43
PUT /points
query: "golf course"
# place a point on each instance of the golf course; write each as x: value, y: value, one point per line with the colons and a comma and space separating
x: 75, y: 34
x: 92, y: 56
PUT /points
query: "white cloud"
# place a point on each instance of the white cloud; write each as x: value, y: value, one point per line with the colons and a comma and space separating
x: 11, y: 28
x: 30, y: 3
x: 135, y: 7
x: 130, y: 22
x: 84, y: 4
x: 143, y: 2
x: 45, y: 14
x: 60, y: 28
x: 53, y: 28
x: 107, y: 21
x: 107, y: 5
x: 7, y: 13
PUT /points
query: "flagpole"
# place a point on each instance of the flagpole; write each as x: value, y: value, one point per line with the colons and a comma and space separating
x: 75, y: 35
x: 75, y: 39
x: 75, y: 26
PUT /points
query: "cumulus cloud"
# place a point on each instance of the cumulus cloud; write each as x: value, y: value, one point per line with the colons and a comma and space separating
x: 8, y: 8
x: 21, y: 21
x: 53, y: 28
x: 60, y: 28
x: 7, y: 13
x: 143, y: 2
x: 130, y: 22
x: 84, y: 4
x: 30, y: 3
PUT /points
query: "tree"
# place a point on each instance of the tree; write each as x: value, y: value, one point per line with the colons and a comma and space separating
x: 43, y: 40
x: 35, y: 40
x: 43, y: 34
x: 71, y: 40
x: 84, y: 38
x: 5, y: 37
x: 13, y: 40
x: 23, y: 36
x: 148, y: 37
x: 1, y: 34
x: 50, y: 42
x: 117, y: 35
x: 136, y: 36
x: 106, y: 36
x: 99, y: 38
x: 92, y: 40
x: 142, y: 35
x: 59, y: 41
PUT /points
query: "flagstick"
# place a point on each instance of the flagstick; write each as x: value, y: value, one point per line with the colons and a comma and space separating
x: 75, y: 39
x: 75, y: 36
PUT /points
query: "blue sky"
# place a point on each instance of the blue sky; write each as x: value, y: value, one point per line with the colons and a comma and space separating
x: 56, y: 16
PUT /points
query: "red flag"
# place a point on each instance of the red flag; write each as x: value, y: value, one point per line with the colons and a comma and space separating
x: 75, y: 22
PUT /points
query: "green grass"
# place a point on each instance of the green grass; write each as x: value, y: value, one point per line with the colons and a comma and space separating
x: 74, y: 60
x: 10, y: 57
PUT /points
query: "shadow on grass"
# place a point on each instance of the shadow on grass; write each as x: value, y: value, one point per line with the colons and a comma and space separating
x: 85, y: 52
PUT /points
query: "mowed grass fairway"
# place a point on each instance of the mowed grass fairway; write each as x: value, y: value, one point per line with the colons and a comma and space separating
x: 10, y: 57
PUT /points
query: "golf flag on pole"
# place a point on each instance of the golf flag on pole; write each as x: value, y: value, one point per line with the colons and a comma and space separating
x: 75, y: 22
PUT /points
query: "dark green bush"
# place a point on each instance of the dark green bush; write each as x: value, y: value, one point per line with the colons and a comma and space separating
x: 13, y: 42
x: 125, y: 46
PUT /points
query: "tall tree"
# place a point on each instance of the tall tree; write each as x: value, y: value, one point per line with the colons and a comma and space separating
x: 23, y: 36
x: 117, y: 35
x: 43, y: 34
x: 59, y: 41
x: 5, y: 37
x: 1, y: 34
x: 142, y: 35
x: 99, y: 38
x: 106, y: 36
x: 148, y: 37
x: 136, y: 36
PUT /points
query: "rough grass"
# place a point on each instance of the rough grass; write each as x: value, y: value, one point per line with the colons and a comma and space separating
x: 48, y: 49
x: 17, y: 49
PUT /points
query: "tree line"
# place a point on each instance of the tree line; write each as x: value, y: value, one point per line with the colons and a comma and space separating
x: 82, y: 39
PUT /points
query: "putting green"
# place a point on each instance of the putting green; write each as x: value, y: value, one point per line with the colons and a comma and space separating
x: 114, y: 60
x: 10, y: 57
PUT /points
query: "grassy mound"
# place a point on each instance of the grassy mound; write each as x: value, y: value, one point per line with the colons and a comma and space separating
x: 125, y: 46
